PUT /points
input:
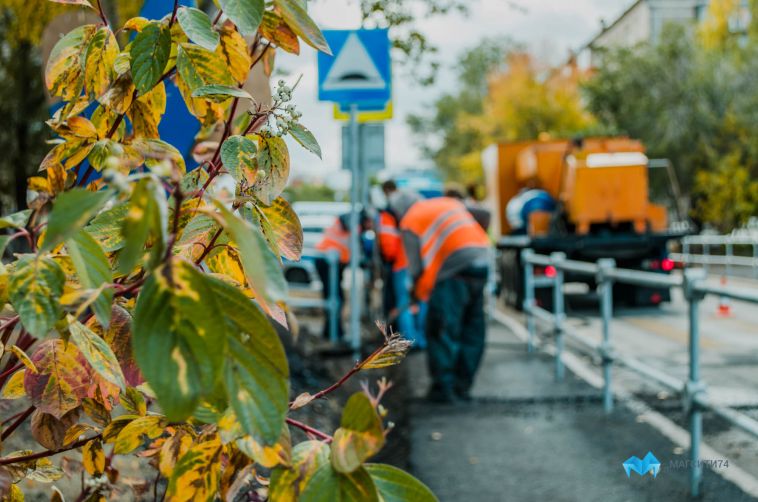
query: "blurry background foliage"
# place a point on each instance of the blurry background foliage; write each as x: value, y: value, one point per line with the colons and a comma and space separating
x: 690, y: 98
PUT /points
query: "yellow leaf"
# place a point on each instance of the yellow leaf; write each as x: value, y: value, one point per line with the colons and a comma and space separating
x: 233, y: 49
x: 82, y: 127
x: 136, y: 23
x: 119, y: 95
x: 173, y: 448
x: 268, y: 456
x: 196, y: 474
x: 93, y: 457
x: 23, y: 358
x: 99, y: 61
x: 64, y: 74
x: 227, y: 262
x: 14, y: 387
x: 77, y: 432
x: 131, y: 436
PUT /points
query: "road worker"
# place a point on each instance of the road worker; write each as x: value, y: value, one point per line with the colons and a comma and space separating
x: 447, y: 252
x: 388, y: 243
x: 337, y: 238
x: 407, y: 315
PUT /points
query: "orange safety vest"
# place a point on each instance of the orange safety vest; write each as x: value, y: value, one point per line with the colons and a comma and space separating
x: 336, y: 238
x: 390, y: 241
x: 443, y: 226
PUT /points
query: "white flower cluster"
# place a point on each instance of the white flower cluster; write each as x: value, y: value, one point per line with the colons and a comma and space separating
x: 288, y: 114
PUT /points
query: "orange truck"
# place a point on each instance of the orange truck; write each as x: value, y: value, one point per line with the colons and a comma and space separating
x: 585, y: 197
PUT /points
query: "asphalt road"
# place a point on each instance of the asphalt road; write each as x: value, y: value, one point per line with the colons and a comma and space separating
x: 528, y: 438
x: 659, y: 337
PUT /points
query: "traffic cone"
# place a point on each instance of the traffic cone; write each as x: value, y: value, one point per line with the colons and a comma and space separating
x: 724, y: 308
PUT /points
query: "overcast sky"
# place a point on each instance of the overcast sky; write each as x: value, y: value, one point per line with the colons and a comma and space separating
x: 549, y: 27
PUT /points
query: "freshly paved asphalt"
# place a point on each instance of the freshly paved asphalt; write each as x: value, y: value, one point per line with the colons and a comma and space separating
x: 527, y: 438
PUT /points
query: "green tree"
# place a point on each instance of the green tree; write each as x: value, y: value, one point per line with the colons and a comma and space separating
x: 140, y: 322
x: 688, y: 102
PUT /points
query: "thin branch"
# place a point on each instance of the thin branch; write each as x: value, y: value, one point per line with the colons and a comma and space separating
x: 7, y: 373
x: 12, y: 427
x: 10, y: 323
x: 218, y: 17
x: 209, y: 247
x: 47, y: 453
x: 260, y: 56
x: 101, y: 12
x: 116, y: 124
x: 339, y: 383
x: 173, y: 14
x: 307, y: 428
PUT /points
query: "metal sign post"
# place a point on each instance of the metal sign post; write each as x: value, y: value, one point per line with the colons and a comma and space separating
x: 357, y: 75
x: 355, y: 297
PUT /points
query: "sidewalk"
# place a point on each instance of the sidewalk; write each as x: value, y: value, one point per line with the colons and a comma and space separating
x: 527, y: 438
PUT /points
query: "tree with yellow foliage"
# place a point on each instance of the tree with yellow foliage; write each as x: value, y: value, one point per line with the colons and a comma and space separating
x: 519, y: 98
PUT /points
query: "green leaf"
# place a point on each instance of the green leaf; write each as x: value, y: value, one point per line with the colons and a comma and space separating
x: 274, y: 160
x: 197, y: 27
x: 179, y: 337
x: 306, y: 138
x: 238, y: 153
x: 156, y: 151
x: 294, y: 14
x: 307, y: 458
x: 198, y: 67
x: 94, y: 270
x: 396, y: 485
x: 262, y: 269
x: 285, y: 226
x: 220, y: 93
x: 327, y: 485
x: 36, y: 286
x: 106, y: 227
x: 15, y: 220
x: 257, y: 375
x: 166, y: 360
x: 360, y: 434
x: 97, y: 352
x: 147, y: 216
x: 71, y: 211
x: 246, y: 14
x: 149, y: 53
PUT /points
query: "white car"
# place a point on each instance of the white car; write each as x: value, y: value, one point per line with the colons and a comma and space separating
x: 315, y: 218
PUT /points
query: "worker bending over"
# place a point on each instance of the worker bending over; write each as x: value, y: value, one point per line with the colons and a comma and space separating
x: 407, y: 316
x: 447, y: 253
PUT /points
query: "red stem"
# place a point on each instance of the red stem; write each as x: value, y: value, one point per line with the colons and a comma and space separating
x: 7, y: 373
x: 47, y: 453
x: 355, y: 369
x: 307, y: 428
x: 12, y: 427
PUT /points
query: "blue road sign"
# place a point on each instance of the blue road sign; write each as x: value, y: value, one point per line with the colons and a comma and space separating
x: 359, y: 70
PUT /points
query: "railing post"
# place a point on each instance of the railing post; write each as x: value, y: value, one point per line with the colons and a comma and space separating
x: 529, y: 302
x: 605, y: 283
x: 694, y: 386
x: 333, y: 306
x: 729, y: 248
x: 491, y: 286
x: 558, y: 312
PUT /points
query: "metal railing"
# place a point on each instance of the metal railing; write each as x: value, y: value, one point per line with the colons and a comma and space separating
x: 329, y: 303
x: 695, y: 289
x: 719, y: 250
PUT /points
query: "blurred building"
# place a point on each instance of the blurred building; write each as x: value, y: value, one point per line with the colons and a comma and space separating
x: 644, y: 20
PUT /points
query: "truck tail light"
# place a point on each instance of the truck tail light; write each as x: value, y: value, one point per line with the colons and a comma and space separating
x: 550, y: 271
x: 667, y: 265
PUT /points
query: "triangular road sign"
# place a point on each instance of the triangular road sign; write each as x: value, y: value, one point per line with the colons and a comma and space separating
x: 353, y: 68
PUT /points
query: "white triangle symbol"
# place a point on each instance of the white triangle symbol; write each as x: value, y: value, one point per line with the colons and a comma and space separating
x: 353, y: 69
